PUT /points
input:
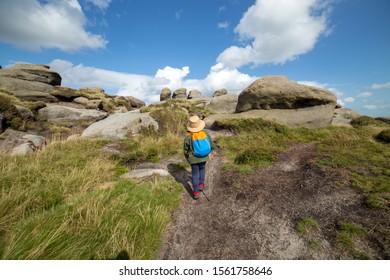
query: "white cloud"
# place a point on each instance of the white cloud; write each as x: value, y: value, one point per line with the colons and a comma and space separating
x: 370, y: 107
x: 221, y: 9
x: 365, y: 94
x: 78, y: 76
x: 223, y: 25
x: 102, y: 4
x: 349, y: 99
x: 380, y: 86
x: 313, y: 84
x: 33, y: 25
x: 276, y: 31
x: 148, y: 88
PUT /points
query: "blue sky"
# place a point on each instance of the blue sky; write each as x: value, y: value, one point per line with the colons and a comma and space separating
x: 137, y: 47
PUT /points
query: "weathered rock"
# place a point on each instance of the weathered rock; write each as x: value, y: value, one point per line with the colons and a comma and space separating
x: 194, y: 94
x: 165, y: 94
x: 33, y: 95
x: 25, y: 113
x: 344, y: 116
x: 92, y: 92
x: 220, y: 92
x: 142, y: 173
x: 58, y: 113
x: 120, y: 126
x: 32, y: 73
x: 20, y: 143
x: 81, y: 100
x: 278, y: 92
x: 135, y: 102
x: 311, y: 117
x: 65, y: 93
x: 180, y: 93
x: 13, y: 84
x: 97, y: 90
x: 30, y: 82
x: 94, y: 104
x: 224, y: 104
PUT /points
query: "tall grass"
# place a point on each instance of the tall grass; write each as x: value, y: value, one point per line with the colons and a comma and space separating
x: 67, y: 203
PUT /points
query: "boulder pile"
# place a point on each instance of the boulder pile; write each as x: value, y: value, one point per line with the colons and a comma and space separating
x: 33, y: 105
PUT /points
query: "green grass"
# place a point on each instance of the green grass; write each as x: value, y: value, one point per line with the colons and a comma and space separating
x: 347, y: 237
x: 67, y: 202
x: 257, y: 143
x: 149, y: 148
x: 306, y: 225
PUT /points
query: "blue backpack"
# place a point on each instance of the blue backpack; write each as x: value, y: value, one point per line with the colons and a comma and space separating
x: 201, y: 145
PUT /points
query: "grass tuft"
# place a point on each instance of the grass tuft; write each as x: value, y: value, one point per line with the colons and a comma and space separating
x: 306, y: 225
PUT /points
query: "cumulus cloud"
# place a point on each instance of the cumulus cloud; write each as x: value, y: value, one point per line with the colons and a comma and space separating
x: 148, y: 88
x: 276, y: 31
x: 221, y: 77
x: 365, y: 94
x: 34, y: 25
x: 380, y: 86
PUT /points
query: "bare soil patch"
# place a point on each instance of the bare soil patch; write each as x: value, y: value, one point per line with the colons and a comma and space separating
x: 254, y: 216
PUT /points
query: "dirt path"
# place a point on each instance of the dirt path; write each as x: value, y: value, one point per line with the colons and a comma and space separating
x: 254, y: 216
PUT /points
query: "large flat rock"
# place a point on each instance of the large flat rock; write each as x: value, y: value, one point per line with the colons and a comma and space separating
x: 311, y: 117
x: 120, y: 126
x: 278, y: 92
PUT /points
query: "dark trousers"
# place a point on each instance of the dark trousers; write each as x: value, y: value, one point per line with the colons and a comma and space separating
x: 198, y: 175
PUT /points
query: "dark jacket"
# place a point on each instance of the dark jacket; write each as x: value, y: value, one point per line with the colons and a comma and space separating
x: 189, y: 154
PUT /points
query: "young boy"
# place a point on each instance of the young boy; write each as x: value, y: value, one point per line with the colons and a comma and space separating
x: 198, y: 163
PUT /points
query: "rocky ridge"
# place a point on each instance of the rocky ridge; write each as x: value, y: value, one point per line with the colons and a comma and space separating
x: 33, y: 102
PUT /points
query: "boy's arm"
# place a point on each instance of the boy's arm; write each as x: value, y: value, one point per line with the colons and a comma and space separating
x: 186, y: 147
x: 211, y: 141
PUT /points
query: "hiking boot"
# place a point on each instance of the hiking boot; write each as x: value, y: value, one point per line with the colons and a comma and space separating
x: 196, y: 195
x: 201, y: 187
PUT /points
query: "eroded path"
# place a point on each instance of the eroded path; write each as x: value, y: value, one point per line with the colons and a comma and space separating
x: 254, y: 216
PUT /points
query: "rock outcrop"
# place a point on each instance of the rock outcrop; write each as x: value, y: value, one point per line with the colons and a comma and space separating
x: 223, y: 104
x: 135, y: 103
x: 194, y: 94
x: 57, y: 113
x: 165, y: 94
x: 142, y: 173
x: 278, y: 92
x: 20, y: 143
x: 344, y: 116
x: 220, y: 92
x: 279, y: 99
x: 311, y: 117
x: 30, y: 82
x: 180, y: 93
x: 120, y: 126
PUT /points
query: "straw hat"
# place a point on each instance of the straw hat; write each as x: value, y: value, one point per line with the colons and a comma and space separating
x: 195, y: 124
